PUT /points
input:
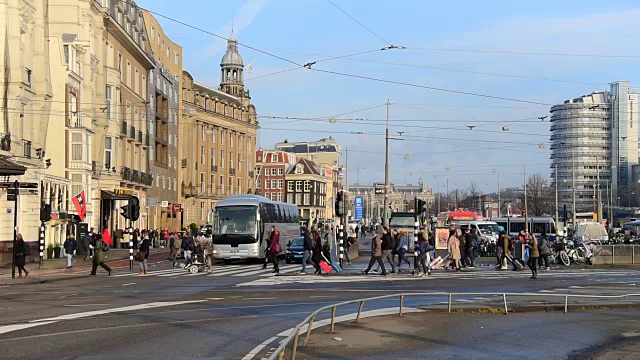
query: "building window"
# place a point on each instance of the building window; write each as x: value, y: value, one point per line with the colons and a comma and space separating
x: 274, y: 158
x: 307, y: 199
x: 202, y: 152
x: 107, y: 152
x: 203, y: 132
x: 230, y: 160
x: 202, y: 184
x: 274, y: 184
x: 267, y: 184
x: 280, y: 196
x: 280, y: 171
x: 164, y: 182
x: 239, y: 161
x: 298, y: 199
x: 108, y: 95
x: 202, y: 210
x: 280, y: 184
x: 76, y: 147
x: 153, y: 32
x: 299, y: 186
x: 230, y: 139
x: 151, y: 156
x: 176, y: 58
x: 274, y: 196
x: 212, y: 180
x: 175, y: 184
x: 157, y: 180
x: 213, y: 135
x: 221, y: 137
x: 168, y: 51
x: 222, y: 158
x: 240, y: 141
x: 274, y: 171
x: 290, y: 198
x: 307, y: 186
x: 299, y: 169
x: 290, y: 186
x: 213, y: 156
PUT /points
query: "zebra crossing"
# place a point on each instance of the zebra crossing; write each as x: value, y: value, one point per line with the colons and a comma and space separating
x: 221, y: 271
x: 626, y: 276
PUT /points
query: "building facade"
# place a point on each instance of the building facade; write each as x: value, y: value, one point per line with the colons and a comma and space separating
x: 270, y: 170
x: 163, y: 119
x: 26, y: 108
x: 307, y: 188
x: 401, y: 198
x: 593, y: 137
x: 221, y: 127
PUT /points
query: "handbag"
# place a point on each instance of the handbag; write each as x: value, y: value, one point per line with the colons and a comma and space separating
x: 140, y: 256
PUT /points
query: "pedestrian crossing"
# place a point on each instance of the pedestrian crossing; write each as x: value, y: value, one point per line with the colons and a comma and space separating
x: 220, y: 271
x: 592, y: 275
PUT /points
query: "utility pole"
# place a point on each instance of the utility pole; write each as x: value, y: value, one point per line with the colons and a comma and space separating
x: 346, y: 166
x: 385, y: 218
x: 526, y: 208
x: 438, y: 197
x: 499, y: 202
x: 573, y: 187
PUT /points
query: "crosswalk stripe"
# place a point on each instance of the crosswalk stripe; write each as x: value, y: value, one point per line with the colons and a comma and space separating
x: 285, y: 267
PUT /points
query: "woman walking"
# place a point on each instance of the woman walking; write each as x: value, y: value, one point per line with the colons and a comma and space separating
x: 316, y: 252
x: 402, y: 246
x: 544, y: 251
x: 422, y: 258
x: 274, y: 248
x: 143, y: 251
x: 22, y: 250
x: 453, y: 247
x: 376, y: 253
x: 534, y: 253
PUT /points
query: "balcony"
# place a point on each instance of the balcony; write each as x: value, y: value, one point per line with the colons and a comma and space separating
x: 123, y: 128
x: 127, y: 174
x: 232, y: 172
x: 147, y: 140
x: 214, y: 168
x: 132, y: 132
x: 139, y: 137
x: 135, y: 176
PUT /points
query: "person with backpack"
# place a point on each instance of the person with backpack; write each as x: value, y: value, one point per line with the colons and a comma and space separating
x: 544, y: 251
x: 274, y: 248
x: 100, y: 249
x: 70, y: 246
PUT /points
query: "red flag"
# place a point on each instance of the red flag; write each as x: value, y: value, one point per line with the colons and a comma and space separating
x: 106, y: 237
x: 81, y: 205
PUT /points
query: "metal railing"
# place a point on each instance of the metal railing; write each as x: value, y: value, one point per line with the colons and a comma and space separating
x: 279, y: 352
x: 616, y: 254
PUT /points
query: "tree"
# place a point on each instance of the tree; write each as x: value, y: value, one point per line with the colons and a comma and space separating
x: 540, y: 198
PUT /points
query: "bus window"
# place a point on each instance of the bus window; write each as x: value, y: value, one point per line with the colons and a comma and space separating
x: 517, y: 227
x: 270, y: 213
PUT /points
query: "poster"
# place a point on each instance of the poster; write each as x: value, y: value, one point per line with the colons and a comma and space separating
x: 442, y: 237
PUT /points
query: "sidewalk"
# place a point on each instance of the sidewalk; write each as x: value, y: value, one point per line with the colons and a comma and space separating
x: 54, y: 270
x: 628, y: 350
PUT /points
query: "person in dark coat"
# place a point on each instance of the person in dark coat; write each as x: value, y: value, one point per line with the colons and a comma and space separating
x: 316, y: 252
x: 532, y: 245
x: 99, y: 256
x: 143, y: 251
x: 274, y: 249
x: 22, y: 250
x: 544, y: 251
x: 376, y: 253
x: 70, y: 245
x: 308, y: 248
x: 86, y: 244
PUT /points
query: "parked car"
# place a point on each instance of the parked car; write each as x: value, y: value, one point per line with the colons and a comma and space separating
x: 294, y: 251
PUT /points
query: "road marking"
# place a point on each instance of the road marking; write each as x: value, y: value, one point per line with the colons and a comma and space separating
x: 262, y: 298
x: 129, y: 284
x: 321, y: 296
x: 79, y: 305
x: 215, y: 299
x: 9, y: 328
x: 259, y: 348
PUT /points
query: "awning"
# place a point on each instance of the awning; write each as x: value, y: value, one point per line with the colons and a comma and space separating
x: 9, y: 168
x: 110, y: 195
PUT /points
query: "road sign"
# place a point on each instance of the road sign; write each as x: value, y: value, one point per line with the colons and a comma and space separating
x: 177, y: 207
x: 379, y: 190
x: 24, y: 185
x: 152, y: 201
x: 165, y: 204
x: 11, y: 193
x: 359, y: 207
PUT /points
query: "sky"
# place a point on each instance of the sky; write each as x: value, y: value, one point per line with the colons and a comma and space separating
x: 488, y: 65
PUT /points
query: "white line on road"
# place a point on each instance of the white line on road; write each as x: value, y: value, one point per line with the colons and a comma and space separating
x: 261, y: 298
x: 214, y: 299
x: 79, y: 305
x: 9, y: 328
x: 259, y: 348
x: 129, y: 284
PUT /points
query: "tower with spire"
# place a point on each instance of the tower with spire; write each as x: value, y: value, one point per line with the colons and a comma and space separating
x: 232, y: 67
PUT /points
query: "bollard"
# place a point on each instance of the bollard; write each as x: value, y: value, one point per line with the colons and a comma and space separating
x: 506, y: 309
x: 295, y: 344
x: 449, y: 303
x: 309, y: 327
x: 359, y: 310
x: 281, y: 355
x: 613, y: 254
x: 333, y: 319
x: 566, y: 301
x: 401, y: 303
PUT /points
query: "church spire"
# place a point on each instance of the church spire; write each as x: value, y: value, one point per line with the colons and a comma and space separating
x: 232, y: 67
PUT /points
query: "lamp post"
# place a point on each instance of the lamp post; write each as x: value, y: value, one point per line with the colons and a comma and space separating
x: 386, y: 171
x: 556, y: 174
x: 499, y: 202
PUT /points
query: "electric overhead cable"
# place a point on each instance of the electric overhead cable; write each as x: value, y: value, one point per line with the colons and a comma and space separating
x: 523, y: 53
x: 361, y: 24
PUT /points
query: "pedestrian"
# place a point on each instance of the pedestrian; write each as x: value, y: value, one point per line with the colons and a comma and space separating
x: 350, y: 241
x: 316, y: 253
x: 86, y: 244
x: 363, y: 230
x: 70, y: 245
x: 21, y: 253
x: 544, y: 251
x: 472, y: 246
x: 274, y: 248
x: 187, y: 247
x: 534, y: 253
x: 505, y: 250
x: 308, y: 249
x: 376, y: 253
x: 402, y: 246
x: 388, y: 245
x: 143, y: 253
x: 174, y: 250
x: 421, y: 259
x: 453, y: 246
x: 136, y: 238
x: 100, y: 252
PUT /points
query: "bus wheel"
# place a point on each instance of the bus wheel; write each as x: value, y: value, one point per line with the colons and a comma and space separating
x: 227, y: 261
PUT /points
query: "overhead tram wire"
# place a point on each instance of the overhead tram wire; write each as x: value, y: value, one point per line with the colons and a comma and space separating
x: 355, y: 75
x: 527, y: 53
x: 361, y: 24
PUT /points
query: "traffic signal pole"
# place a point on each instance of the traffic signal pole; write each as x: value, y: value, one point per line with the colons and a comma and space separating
x: 15, y: 228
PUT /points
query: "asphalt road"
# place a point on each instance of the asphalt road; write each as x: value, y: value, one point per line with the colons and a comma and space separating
x: 226, y: 315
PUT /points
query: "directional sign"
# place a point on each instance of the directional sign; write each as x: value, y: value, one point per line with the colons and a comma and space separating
x: 11, y: 193
x: 359, y: 206
x: 379, y: 190
x: 9, y: 185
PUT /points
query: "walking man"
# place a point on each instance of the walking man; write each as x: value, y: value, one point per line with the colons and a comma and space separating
x: 274, y: 248
x: 544, y: 251
x: 175, y: 251
x: 388, y: 245
x: 100, y: 249
x: 376, y: 254
x: 86, y: 244
x: 70, y: 245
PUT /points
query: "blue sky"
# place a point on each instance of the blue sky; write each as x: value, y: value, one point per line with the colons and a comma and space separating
x: 309, y: 30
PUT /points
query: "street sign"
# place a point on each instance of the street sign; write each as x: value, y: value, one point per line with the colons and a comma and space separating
x: 9, y: 185
x: 379, y: 190
x: 164, y: 204
x: 11, y: 193
x: 359, y: 207
x: 177, y: 207
x: 152, y: 201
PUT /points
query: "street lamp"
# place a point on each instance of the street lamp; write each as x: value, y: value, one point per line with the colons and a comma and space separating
x: 499, y: 203
x: 385, y: 221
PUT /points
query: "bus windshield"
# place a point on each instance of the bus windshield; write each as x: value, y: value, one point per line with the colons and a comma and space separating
x: 488, y: 229
x: 238, y: 220
x: 402, y: 221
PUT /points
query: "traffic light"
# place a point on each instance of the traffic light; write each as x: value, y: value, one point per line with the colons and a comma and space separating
x: 126, y: 211
x: 45, y: 212
x: 134, y: 208
x: 339, y: 205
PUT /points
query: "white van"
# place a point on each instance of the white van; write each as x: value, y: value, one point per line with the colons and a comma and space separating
x: 487, y: 230
x: 591, y: 230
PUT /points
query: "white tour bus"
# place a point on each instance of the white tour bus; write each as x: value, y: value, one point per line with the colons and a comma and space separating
x: 242, y: 224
